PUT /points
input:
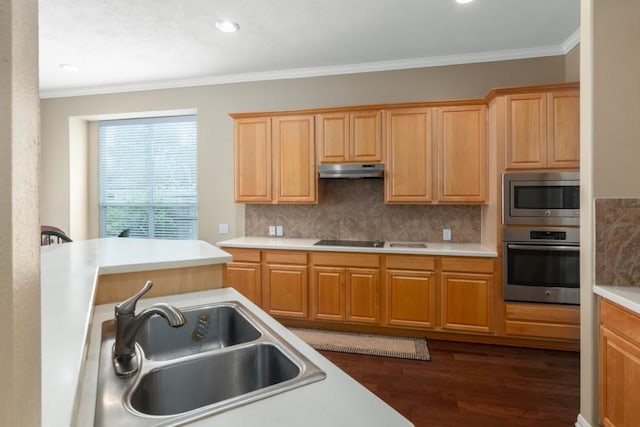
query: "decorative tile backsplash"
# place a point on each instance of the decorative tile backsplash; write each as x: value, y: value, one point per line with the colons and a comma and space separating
x: 355, y: 210
x: 617, y: 242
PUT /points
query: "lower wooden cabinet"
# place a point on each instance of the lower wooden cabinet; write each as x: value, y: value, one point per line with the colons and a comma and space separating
x: 328, y: 293
x: 467, y: 294
x: 448, y: 294
x: 548, y: 321
x: 284, y: 284
x: 345, y: 294
x: 244, y: 273
x: 467, y: 302
x: 410, y: 291
x: 619, y: 366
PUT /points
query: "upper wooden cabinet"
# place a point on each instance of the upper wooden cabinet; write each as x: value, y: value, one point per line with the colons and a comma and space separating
x: 252, y: 160
x: 543, y: 130
x: 294, y: 166
x: 563, y: 124
x: 349, y: 137
x: 460, y: 167
x: 462, y: 154
x: 274, y: 160
x: 409, y: 154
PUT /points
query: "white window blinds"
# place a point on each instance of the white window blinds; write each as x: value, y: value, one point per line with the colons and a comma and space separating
x: 148, y: 177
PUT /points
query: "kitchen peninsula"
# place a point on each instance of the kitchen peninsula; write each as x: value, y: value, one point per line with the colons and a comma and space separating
x: 71, y: 280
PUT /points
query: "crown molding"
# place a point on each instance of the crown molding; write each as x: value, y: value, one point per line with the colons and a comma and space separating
x: 394, y: 65
x: 571, y: 41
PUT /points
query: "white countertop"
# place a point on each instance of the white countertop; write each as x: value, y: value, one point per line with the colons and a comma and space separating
x: 448, y: 249
x: 625, y: 296
x: 338, y: 400
x: 68, y: 278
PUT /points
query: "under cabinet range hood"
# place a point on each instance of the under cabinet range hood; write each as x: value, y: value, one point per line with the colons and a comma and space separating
x: 355, y: 170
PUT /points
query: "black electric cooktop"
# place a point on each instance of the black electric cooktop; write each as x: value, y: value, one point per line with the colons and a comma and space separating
x: 351, y: 243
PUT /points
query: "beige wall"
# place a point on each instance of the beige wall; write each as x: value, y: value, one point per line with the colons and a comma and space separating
x: 610, y: 136
x: 572, y: 64
x: 19, y: 230
x: 215, y: 130
x: 616, y: 99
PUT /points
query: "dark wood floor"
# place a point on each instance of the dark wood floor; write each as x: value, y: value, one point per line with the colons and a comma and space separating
x: 474, y: 385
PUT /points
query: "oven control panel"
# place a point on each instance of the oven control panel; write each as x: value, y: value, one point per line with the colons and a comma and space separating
x: 547, y: 235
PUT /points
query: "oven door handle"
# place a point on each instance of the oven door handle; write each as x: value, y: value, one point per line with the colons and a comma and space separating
x: 551, y: 248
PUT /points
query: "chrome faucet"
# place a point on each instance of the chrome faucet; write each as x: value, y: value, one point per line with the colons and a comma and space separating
x: 128, y: 325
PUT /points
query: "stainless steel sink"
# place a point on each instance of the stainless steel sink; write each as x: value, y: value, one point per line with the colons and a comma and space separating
x: 182, y: 387
x: 208, y: 328
x: 408, y: 245
x: 196, y: 371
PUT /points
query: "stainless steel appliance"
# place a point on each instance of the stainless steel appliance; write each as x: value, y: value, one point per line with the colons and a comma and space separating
x: 351, y: 170
x: 541, y: 264
x: 541, y: 198
x: 351, y: 243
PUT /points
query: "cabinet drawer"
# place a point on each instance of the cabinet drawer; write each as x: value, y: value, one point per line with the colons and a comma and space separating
x: 285, y: 257
x: 543, y: 313
x: 620, y: 320
x: 468, y: 265
x: 345, y: 259
x: 542, y: 330
x: 243, y: 255
x: 410, y: 262
x: 542, y: 321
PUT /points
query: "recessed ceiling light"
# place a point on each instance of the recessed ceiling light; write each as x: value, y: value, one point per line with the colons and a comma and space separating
x: 69, y: 67
x: 227, y: 26
x: 463, y: 1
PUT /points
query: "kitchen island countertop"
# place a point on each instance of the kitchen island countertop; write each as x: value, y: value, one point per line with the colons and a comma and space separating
x: 70, y: 341
x: 433, y: 248
x: 67, y: 288
x: 338, y: 400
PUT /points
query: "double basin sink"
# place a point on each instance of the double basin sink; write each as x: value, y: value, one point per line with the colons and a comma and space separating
x: 222, y: 358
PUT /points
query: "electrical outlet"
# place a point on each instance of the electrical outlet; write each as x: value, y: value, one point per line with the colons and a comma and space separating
x: 279, y: 231
x: 223, y: 228
x: 446, y: 234
x: 272, y: 230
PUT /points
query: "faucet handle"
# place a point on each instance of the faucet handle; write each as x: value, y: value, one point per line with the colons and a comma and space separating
x: 128, y: 306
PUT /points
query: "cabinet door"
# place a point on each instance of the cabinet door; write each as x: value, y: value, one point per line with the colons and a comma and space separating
x: 526, y: 131
x: 619, y: 380
x: 244, y: 278
x: 252, y: 160
x: 462, y: 154
x: 362, y: 295
x: 327, y: 293
x: 294, y: 159
x: 467, y: 302
x: 285, y: 290
x: 563, y: 149
x: 409, y: 156
x: 410, y: 298
x: 332, y: 137
x: 365, y: 136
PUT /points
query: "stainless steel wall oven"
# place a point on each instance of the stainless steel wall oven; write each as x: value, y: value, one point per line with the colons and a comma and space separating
x: 541, y: 264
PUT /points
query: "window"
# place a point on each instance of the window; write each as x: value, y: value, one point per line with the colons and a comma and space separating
x: 147, y: 177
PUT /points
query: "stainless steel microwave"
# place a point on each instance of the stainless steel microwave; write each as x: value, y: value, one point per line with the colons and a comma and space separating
x: 541, y: 198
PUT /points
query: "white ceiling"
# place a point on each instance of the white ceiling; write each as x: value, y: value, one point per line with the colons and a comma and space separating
x: 121, y: 45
